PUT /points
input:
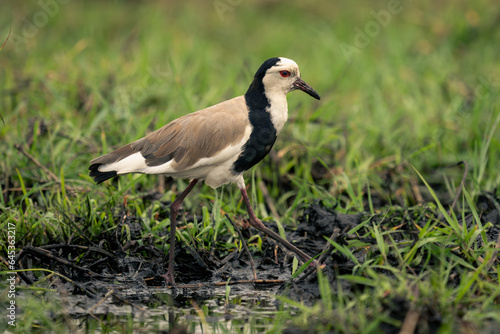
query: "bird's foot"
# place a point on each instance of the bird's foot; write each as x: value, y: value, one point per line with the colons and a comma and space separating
x: 169, y: 279
x: 257, y: 223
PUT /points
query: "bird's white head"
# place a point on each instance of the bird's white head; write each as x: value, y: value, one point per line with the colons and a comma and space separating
x: 281, y: 76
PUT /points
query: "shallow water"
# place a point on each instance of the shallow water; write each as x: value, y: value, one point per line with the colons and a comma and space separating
x: 204, y: 310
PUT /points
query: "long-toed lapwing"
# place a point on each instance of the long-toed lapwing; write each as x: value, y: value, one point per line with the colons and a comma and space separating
x: 217, y: 144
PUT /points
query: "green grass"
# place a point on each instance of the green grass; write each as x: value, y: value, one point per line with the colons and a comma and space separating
x: 420, y: 97
x: 450, y: 273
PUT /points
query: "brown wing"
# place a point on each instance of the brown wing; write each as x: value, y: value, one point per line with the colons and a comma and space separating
x: 189, y: 138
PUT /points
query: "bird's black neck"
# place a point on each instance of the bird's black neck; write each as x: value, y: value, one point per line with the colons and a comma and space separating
x: 255, y: 96
x: 263, y: 133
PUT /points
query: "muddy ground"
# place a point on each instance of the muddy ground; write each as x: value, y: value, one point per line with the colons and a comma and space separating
x: 112, y: 277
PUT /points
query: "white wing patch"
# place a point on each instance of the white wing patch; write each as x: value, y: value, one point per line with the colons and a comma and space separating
x: 134, y: 163
x: 215, y: 170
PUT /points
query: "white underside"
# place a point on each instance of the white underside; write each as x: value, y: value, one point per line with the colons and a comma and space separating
x: 216, y: 170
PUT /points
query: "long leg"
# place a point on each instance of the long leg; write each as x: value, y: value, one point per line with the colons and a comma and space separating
x: 257, y: 223
x: 174, y: 209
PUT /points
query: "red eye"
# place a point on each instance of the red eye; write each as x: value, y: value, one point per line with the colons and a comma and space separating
x: 285, y: 74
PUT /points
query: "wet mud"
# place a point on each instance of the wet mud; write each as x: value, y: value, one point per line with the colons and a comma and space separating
x: 123, y: 278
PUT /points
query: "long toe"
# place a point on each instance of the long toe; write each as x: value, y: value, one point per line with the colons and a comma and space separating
x: 169, y: 279
x: 257, y: 223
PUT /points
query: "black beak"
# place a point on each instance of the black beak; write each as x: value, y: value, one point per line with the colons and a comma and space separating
x: 301, y: 84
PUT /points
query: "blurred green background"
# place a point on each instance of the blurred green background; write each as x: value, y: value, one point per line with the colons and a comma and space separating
x: 400, y: 81
x: 402, y: 84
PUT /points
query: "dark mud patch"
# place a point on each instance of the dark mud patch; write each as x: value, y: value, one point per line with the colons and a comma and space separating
x: 124, y: 277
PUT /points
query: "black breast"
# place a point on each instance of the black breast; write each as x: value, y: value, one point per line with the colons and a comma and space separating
x: 260, y: 142
x: 263, y: 133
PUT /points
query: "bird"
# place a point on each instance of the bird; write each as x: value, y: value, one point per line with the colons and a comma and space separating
x: 216, y: 144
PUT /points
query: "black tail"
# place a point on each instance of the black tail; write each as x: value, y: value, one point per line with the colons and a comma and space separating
x: 100, y: 176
